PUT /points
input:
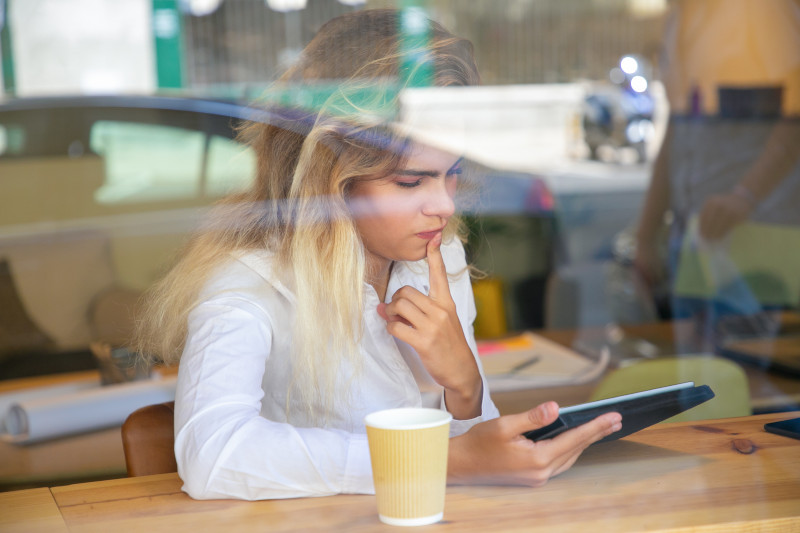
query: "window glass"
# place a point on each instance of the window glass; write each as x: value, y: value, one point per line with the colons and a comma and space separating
x: 602, y: 135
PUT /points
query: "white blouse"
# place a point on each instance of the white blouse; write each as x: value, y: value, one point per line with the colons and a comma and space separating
x: 232, y: 437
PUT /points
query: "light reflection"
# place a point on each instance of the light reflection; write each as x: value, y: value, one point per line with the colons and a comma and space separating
x: 639, y: 84
x: 286, y: 5
x: 629, y: 64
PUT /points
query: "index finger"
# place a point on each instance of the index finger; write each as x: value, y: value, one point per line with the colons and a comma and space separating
x: 437, y: 273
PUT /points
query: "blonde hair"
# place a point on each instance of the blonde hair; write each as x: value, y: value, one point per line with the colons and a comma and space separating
x: 297, y: 207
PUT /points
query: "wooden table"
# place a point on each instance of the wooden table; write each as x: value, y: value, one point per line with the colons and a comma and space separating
x: 30, y: 510
x: 720, y: 475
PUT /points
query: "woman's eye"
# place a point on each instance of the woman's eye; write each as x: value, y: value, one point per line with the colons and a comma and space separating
x: 409, y: 184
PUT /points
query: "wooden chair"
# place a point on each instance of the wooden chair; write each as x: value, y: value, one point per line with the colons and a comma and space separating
x: 148, y: 440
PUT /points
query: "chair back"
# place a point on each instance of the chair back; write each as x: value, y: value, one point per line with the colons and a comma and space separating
x: 148, y: 440
x: 726, y: 379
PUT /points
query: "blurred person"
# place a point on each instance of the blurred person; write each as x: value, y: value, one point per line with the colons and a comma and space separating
x: 728, y: 170
x: 337, y: 286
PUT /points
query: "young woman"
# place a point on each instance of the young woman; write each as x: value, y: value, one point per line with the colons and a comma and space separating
x: 337, y: 286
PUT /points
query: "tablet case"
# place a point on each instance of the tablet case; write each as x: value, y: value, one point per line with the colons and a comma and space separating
x: 637, y: 413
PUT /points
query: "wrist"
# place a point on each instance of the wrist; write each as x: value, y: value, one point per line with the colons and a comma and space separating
x: 457, y: 461
x: 466, y: 383
x: 464, y: 402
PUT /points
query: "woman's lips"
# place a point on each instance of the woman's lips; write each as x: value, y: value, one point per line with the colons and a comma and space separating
x: 428, y: 235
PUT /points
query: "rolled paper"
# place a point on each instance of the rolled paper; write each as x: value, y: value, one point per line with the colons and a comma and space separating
x: 23, y: 395
x: 81, y: 411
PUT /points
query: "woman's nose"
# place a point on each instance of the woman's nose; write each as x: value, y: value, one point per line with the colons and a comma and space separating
x: 439, y: 201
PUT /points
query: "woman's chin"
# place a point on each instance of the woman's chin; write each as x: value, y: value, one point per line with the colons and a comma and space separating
x: 418, y: 256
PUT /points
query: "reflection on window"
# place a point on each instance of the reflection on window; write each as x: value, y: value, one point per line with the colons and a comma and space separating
x: 12, y: 139
x: 230, y: 167
x: 146, y: 162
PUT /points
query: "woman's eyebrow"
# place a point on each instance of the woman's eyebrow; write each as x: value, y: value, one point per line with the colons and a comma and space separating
x: 428, y: 173
x: 412, y: 172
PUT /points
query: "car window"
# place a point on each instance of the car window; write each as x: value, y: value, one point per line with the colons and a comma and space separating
x: 156, y: 162
x: 12, y: 139
x: 230, y: 167
x: 147, y: 162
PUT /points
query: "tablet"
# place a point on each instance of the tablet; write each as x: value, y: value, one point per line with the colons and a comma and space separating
x: 787, y: 428
x: 639, y: 410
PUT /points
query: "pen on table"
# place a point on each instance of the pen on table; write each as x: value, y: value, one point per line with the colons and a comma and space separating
x: 525, y: 364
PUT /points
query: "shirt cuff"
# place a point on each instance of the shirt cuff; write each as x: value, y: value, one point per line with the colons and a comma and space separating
x: 459, y: 427
x: 488, y: 412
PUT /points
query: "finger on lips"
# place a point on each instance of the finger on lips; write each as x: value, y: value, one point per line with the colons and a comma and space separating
x: 437, y: 273
x: 399, y: 310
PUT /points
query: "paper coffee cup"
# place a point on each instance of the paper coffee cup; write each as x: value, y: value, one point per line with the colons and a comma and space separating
x: 408, y: 450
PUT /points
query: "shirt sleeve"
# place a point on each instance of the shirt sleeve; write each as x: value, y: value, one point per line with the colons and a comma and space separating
x: 223, y: 446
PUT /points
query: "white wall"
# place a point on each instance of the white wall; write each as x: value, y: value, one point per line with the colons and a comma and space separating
x: 82, y: 46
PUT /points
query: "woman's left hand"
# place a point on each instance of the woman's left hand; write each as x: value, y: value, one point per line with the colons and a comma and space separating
x: 429, y: 324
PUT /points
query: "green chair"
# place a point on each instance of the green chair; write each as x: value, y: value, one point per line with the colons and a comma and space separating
x: 726, y: 379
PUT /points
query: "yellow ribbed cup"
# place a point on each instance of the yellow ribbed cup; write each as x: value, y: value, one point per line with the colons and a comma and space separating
x: 408, y: 450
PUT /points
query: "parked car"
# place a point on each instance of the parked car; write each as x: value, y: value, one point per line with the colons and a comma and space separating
x: 98, y: 194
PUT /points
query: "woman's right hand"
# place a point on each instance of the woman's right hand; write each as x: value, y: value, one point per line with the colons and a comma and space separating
x: 495, y: 452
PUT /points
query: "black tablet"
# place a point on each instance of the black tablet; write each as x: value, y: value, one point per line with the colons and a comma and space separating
x: 639, y: 410
x: 787, y: 428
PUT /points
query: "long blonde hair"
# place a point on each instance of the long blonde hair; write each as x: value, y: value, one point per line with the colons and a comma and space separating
x: 297, y: 207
